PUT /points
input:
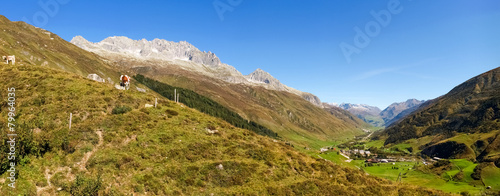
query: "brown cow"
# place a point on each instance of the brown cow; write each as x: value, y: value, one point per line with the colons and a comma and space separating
x: 125, y: 81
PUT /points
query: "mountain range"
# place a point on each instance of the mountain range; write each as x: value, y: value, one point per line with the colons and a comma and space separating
x: 369, y: 114
x: 380, y: 118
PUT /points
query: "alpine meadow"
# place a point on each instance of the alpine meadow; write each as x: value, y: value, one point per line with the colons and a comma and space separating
x: 228, y: 97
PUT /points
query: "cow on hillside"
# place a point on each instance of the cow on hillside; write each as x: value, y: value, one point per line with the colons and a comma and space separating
x: 9, y: 58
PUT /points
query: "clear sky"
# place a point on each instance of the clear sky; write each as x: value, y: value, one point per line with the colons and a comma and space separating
x: 422, y: 51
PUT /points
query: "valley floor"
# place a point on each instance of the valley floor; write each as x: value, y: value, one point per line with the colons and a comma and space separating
x: 413, y: 172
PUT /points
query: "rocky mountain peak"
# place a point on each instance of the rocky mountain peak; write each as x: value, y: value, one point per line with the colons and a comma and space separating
x: 260, y: 76
x: 81, y: 42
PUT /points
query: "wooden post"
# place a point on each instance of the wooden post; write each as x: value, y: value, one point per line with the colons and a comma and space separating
x: 156, y: 102
x: 70, y: 117
x: 175, y: 95
x: 178, y: 97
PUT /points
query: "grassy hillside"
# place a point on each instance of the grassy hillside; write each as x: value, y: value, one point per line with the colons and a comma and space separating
x: 116, y: 146
x: 37, y: 46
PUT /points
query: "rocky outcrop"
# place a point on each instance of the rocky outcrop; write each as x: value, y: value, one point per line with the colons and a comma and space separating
x: 95, y: 77
x: 261, y: 77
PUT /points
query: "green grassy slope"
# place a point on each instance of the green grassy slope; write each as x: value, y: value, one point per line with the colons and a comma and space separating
x: 117, y: 146
x: 491, y: 177
x: 37, y: 46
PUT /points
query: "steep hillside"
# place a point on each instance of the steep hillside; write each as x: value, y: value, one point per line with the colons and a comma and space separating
x: 32, y: 45
x: 369, y: 114
x: 292, y: 116
x: 117, y: 146
x: 396, y: 111
x: 342, y: 114
x: 470, y: 109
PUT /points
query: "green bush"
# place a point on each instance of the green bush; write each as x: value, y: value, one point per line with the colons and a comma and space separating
x: 172, y: 112
x: 476, y: 175
x: 86, y: 186
x: 121, y: 109
x: 459, y: 177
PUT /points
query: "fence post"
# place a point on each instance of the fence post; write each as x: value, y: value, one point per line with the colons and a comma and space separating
x: 70, y: 117
x: 156, y: 102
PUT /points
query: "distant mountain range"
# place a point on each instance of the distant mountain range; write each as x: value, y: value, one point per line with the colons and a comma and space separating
x: 380, y: 118
x: 367, y: 113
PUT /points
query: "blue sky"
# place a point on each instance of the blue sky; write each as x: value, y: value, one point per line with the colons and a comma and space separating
x: 423, y: 51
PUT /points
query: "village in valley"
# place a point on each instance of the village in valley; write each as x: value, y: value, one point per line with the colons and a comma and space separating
x: 360, y: 153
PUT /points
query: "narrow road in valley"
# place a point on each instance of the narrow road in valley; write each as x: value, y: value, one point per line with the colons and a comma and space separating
x: 367, y: 137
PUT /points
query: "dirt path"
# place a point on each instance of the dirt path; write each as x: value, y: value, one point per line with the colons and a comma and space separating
x: 324, y: 158
x: 81, y: 165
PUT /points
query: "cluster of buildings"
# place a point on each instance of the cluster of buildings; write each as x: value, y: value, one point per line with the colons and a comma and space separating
x: 356, y: 151
x: 374, y: 160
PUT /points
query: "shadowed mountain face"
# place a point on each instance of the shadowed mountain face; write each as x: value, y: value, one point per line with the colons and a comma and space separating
x: 397, y: 111
x: 472, y: 107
